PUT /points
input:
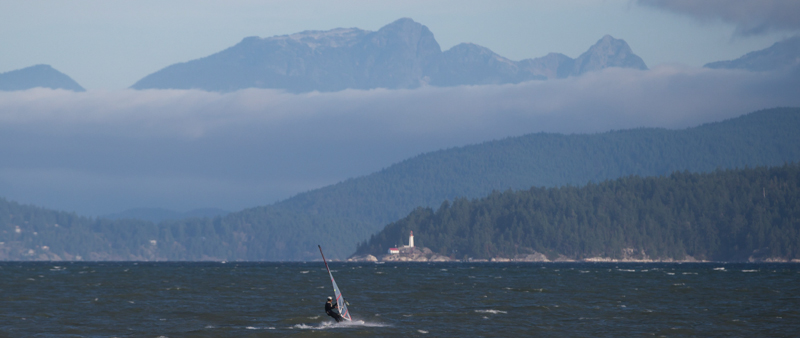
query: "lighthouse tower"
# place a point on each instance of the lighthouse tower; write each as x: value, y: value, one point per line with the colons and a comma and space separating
x: 411, y: 240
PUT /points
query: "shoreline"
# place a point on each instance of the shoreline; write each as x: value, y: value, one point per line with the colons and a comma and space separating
x: 784, y: 261
x: 777, y: 261
x: 422, y: 254
x: 411, y: 253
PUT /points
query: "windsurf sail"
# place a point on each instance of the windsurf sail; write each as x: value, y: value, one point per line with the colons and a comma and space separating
x: 340, y: 302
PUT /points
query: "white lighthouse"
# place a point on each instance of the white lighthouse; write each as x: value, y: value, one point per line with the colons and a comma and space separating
x: 411, y: 240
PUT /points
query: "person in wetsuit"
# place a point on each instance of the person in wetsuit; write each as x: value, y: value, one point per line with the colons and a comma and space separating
x: 332, y: 309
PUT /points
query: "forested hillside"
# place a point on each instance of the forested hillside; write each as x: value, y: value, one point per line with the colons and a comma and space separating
x: 764, y: 138
x: 34, y: 233
x: 767, y: 137
x: 726, y: 215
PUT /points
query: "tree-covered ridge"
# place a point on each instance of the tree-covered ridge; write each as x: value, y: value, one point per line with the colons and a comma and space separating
x: 726, y: 215
x: 264, y: 233
x: 764, y: 138
x: 34, y: 233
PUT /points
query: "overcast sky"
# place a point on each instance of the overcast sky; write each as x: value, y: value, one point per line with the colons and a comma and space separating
x: 112, y: 149
x: 112, y: 44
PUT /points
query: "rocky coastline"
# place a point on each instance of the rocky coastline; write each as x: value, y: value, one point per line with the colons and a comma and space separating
x: 421, y: 254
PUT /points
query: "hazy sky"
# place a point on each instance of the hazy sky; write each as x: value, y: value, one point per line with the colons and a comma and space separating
x: 111, y: 149
x: 111, y: 44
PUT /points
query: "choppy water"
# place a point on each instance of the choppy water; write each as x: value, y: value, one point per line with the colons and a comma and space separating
x: 399, y: 300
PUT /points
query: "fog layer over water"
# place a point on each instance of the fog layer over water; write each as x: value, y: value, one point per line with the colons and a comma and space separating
x: 99, y: 152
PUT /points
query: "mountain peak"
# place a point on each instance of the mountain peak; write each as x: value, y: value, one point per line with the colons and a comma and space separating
x: 608, y: 39
x: 399, y: 55
x: 410, y: 31
x: 467, y: 47
x: 607, y: 52
x: 404, y: 22
x: 37, y: 76
x: 471, y: 64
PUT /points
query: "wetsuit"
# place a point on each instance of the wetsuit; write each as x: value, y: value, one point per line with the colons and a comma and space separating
x: 332, y: 310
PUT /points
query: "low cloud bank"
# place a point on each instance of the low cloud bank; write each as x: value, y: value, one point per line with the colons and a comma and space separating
x: 104, y: 151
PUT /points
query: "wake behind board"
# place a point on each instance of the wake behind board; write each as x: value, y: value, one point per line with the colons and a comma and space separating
x: 340, y: 302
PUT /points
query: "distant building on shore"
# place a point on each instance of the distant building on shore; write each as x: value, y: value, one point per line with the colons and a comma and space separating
x: 396, y: 251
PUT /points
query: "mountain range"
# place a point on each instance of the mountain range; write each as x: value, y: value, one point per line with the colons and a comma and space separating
x: 37, y: 76
x: 402, y: 54
x: 781, y: 56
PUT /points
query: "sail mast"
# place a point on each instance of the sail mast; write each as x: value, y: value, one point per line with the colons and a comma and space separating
x: 340, y: 302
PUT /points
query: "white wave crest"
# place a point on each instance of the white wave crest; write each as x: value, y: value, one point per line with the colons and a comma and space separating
x: 333, y: 325
x: 491, y: 311
x: 260, y: 328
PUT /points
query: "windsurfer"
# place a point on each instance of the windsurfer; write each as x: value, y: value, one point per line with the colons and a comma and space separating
x: 332, y: 309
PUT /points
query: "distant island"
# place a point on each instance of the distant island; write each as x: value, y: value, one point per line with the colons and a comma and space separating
x: 726, y: 215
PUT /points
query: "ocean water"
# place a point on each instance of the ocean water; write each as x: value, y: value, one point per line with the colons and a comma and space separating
x: 62, y: 299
